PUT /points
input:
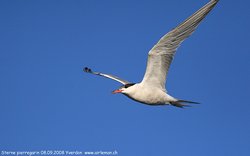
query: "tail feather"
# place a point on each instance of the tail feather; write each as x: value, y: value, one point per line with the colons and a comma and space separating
x: 182, y: 103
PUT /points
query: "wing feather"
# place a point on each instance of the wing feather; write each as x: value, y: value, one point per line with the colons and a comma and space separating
x: 88, y: 70
x: 161, y: 55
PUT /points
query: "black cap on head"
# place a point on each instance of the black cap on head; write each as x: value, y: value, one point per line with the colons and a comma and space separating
x: 128, y: 85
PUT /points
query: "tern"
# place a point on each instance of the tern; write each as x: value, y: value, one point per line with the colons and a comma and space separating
x: 151, y: 90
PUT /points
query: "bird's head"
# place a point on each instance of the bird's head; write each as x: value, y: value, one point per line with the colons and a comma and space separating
x: 123, y: 88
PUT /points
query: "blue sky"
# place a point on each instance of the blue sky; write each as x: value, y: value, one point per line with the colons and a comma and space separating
x: 48, y: 103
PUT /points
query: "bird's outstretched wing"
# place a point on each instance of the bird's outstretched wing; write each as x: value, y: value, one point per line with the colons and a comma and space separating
x: 161, y: 55
x: 88, y: 70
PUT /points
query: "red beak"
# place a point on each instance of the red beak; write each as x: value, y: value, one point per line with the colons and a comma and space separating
x: 117, y: 91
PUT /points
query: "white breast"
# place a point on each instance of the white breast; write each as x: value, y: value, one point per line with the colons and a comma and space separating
x: 148, y: 94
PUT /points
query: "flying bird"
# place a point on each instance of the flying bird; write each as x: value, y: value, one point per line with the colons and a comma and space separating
x: 151, y: 90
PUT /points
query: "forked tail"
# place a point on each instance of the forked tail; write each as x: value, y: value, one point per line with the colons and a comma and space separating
x: 182, y: 103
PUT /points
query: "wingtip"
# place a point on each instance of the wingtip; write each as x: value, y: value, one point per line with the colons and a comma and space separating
x: 215, y: 1
x: 87, y: 70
